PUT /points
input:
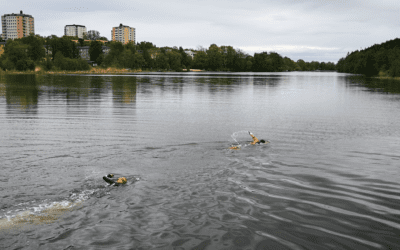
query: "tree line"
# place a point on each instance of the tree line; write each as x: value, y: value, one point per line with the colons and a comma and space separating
x: 380, y: 59
x: 226, y: 58
x: 28, y: 52
x: 61, y: 53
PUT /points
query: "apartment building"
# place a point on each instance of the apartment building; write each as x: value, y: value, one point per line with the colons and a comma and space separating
x: 124, y: 34
x: 84, y: 51
x: 75, y: 30
x: 17, y: 25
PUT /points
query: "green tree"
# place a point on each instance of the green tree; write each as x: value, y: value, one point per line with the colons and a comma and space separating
x: 23, y: 65
x: 215, y: 59
x: 126, y: 59
x: 131, y: 47
x: 186, y: 60
x: 65, y: 63
x: 289, y: 64
x: 6, y: 63
x: 81, y: 42
x: 67, y: 47
x: 228, y: 58
x: 161, y: 61
x: 302, y: 64
x: 174, y: 59
x: 114, y: 55
x: 146, y: 46
x: 48, y: 64
x: 394, y: 70
x: 276, y: 61
x: 15, y: 56
x: 116, y: 48
x: 341, y: 65
x: 370, y: 66
x: 239, y: 61
x: 100, y: 59
x: 200, y: 60
x: 249, y: 63
x: 148, y: 61
x: 35, y: 50
x: 139, y: 61
x: 330, y: 66
x: 372, y: 60
x: 95, y: 51
x: 261, y: 62
x: 59, y: 59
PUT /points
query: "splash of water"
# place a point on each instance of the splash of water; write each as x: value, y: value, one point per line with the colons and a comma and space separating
x: 92, y: 173
x: 39, y: 215
x: 240, y: 136
x: 45, y: 212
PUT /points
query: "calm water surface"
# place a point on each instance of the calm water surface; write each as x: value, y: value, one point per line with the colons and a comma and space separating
x: 328, y: 179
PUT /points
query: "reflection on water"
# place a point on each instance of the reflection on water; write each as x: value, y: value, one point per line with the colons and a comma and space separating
x: 124, y: 89
x: 373, y: 84
x: 21, y: 93
x: 329, y: 179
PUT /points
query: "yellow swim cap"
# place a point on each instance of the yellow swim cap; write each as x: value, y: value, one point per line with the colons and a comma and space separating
x: 122, y: 180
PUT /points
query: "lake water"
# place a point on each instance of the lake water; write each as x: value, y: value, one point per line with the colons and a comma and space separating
x: 328, y: 179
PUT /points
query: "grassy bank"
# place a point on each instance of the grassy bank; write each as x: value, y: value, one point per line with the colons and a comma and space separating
x: 388, y: 78
x: 39, y: 70
x: 92, y: 71
x: 386, y: 75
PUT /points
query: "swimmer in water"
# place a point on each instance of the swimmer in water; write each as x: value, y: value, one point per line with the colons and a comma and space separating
x: 113, y: 182
x: 236, y: 147
x: 255, y: 141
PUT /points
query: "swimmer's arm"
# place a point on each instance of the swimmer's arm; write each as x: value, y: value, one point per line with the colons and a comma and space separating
x: 255, y: 140
x: 110, y: 181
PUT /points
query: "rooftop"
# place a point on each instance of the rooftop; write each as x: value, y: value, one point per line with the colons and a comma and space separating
x: 20, y: 14
x: 75, y: 25
x: 121, y: 25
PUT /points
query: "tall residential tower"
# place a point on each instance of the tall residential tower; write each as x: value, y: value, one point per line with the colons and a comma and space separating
x: 75, y: 30
x: 123, y: 34
x: 17, y: 25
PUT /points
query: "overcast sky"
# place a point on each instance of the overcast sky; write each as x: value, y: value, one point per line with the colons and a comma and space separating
x: 312, y: 30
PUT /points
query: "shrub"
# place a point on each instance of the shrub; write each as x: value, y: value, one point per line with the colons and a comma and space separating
x: 65, y: 63
x: 394, y: 70
x: 7, y: 64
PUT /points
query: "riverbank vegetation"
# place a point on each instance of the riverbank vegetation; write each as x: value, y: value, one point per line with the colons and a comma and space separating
x: 59, y: 54
x: 381, y: 60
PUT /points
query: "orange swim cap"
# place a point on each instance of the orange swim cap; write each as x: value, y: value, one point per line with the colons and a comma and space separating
x: 122, y: 180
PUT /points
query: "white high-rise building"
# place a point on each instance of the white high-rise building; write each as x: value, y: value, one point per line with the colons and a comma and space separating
x: 75, y: 30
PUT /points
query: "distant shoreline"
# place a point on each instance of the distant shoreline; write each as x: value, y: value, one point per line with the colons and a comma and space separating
x: 99, y: 71
x: 115, y: 71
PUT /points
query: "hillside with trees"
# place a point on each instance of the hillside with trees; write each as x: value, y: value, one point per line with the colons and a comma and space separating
x: 379, y: 59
